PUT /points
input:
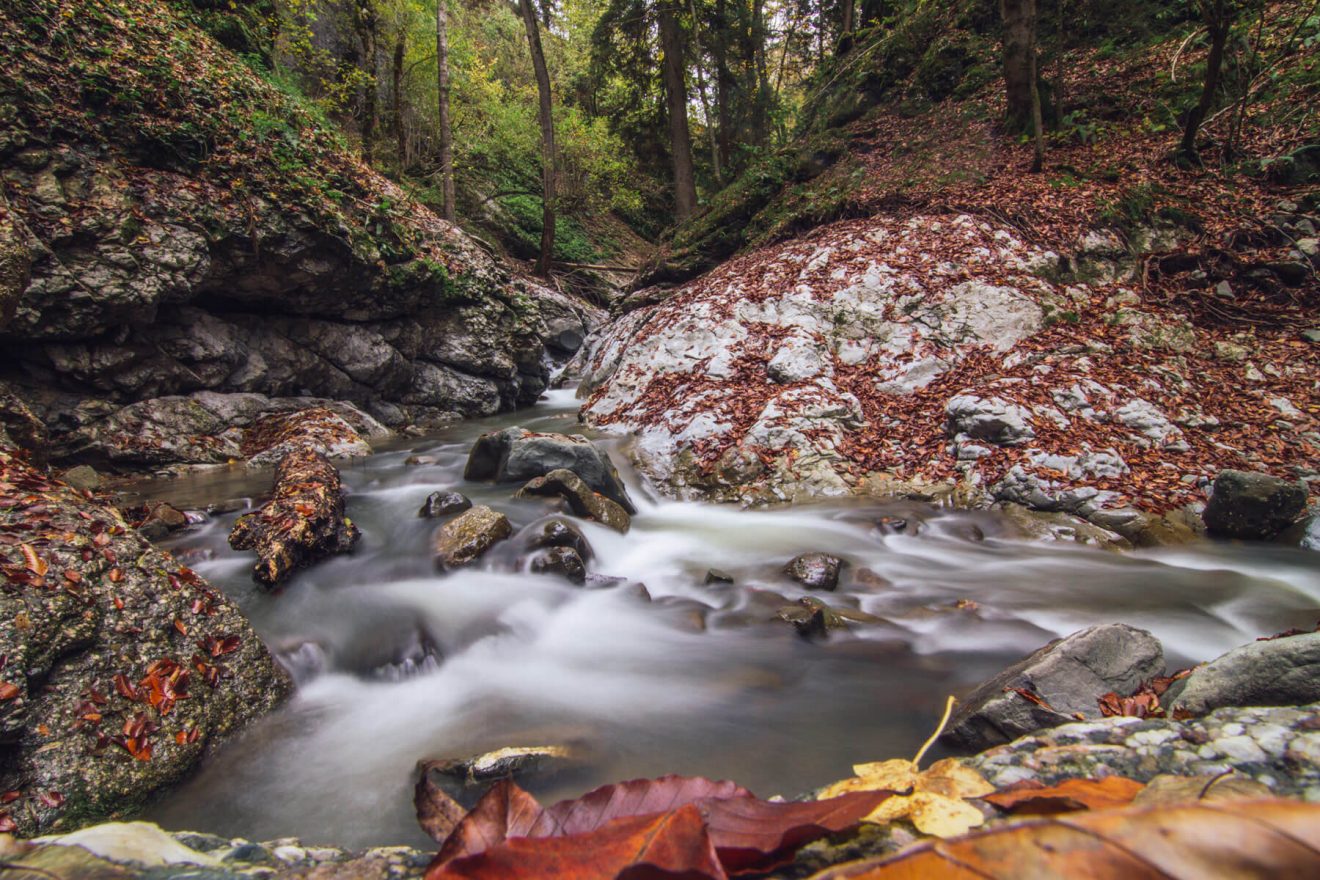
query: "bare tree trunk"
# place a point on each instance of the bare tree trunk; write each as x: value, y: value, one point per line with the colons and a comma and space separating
x: 400, y: 137
x: 367, y: 35
x: 671, y: 44
x: 701, y: 90
x: 724, y: 82
x: 547, y: 139
x: 442, y: 89
x: 1219, y: 21
x: 1021, y: 78
x: 762, y: 108
x: 847, y: 16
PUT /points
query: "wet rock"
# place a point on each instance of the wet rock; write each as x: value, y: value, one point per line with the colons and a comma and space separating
x: 1042, y: 526
x: 581, y: 500
x: 115, y: 612
x: 272, y: 437
x: 558, y: 533
x: 814, y: 619
x: 82, y: 477
x: 419, y: 460
x: 303, y: 523
x: 513, y: 762
x: 141, y: 843
x: 563, y: 561
x: 20, y: 426
x: 515, y: 455
x: 156, y: 521
x: 440, y: 504
x: 815, y: 571
x: 1277, y: 672
x: 716, y: 576
x: 1253, y: 506
x: 464, y: 539
x: 1069, y: 674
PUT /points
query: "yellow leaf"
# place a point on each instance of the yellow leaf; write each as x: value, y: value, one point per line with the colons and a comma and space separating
x: 952, y: 778
x: 895, y: 775
x: 942, y: 816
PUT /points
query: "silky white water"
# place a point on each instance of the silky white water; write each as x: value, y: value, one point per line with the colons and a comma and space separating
x: 693, y: 679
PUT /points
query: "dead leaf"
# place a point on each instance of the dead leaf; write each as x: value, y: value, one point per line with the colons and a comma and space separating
x: 504, y: 811
x: 1068, y: 796
x: 35, y: 563
x: 659, y: 845
x: 437, y: 812
x: 1270, y: 838
x: 935, y: 797
x: 1168, y: 789
x: 8, y: 691
x: 637, y: 797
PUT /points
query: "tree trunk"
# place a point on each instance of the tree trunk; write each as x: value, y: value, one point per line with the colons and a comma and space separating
x: 442, y: 90
x: 401, y: 137
x: 724, y: 83
x: 547, y: 139
x: 761, y: 109
x: 1219, y: 21
x: 705, y: 104
x: 671, y: 44
x: 847, y: 27
x: 1021, y: 78
x: 367, y: 35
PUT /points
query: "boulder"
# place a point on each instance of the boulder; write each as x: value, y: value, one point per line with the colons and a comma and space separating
x: 990, y: 419
x: 96, y: 605
x: 516, y: 455
x: 815, y: 571
x: 440, y: 504
x: 558, y: 533
x: 1069, y: 675
x: 302, y: 523
x: 1253, y: 506
x: 156, y: 520
x: 1275, y: 672
x: 82, y: 477
x: 581, y: 500
x: 563, y: 561
x: 464, y: 539
x: 272, y: 437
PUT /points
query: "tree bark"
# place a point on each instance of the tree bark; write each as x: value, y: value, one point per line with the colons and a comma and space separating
x: 671, y: 44
x: 442, y: 90
x: 847, y: 27
x: 724, y: 83
x: 1219, y: 21
x: 367, y: 35
x: 1021, y: 78
x: 705, y: 104
x: 761, y: 119
x: 401, y: 137
x: 547, y: 139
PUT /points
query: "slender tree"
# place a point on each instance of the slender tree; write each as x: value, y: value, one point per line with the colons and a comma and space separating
x: 671, y: 45
x: 442, y: 90
x: 1218, y: 16
x: 1021, y: 77
x: 366, y: 22
x: 400, y: 136
x: 701, y: 91
x: 528, y: 12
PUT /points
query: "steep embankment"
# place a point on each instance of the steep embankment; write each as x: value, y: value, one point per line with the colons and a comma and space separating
x: 172, y: 223
x: 1099, y: 339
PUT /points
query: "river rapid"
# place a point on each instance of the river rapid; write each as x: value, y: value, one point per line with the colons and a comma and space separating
x: 396, y: 662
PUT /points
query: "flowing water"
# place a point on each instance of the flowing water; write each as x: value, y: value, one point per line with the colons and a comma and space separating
x: 396, y: 663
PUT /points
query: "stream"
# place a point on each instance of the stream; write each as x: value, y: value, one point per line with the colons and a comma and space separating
x: 397, y: 663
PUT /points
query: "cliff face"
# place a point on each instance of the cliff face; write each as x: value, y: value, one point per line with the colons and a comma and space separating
x: 172, y: 223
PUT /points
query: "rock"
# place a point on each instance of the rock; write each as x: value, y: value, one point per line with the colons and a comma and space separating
x: 582, y: 501
x: 272, y: 437
x: 814, y: 619
x: 1290, y: 273
x: 991, y: 419
x: 815, y: 571
x: 19, y: 426
x: 464, y: 539
x: 155, y: 521
x: 440, y: 504
x: 513, y: 762
x: 558, y: 533
x: 1276, y: 672
x: 516, y: 455
x: 302, y: 523
x: 82, y: 477
x: 419, y: 460
x: 141, y: 843
x: 563, y: 561
x: 716, y: 576
x: 1041, y: 526
x: 1253, y: 506
x: 1069, y: 674
x: 110, y: 618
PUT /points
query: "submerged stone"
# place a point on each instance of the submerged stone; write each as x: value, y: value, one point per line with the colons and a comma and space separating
x: 464, y: 539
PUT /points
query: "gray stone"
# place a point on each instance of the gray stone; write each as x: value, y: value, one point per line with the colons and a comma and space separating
x: 563, y: 561
x: 990, y: 419
x: 1253, y: 506
x: 440, y: 504
x: 1069, y: 674
x: 82, y: 477
x: 1277, y: 672
x: 581, y: 500
x: 464, y: 539
x: 516, y: 455
x: 815, y: 571
x: 558, y: 533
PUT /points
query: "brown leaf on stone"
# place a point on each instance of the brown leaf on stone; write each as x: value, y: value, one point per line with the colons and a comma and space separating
x: 1068, y: 796
x: 504, y: 811
x: 636, y: 797
x: 1269, y: 838
x: 648, y: 847
x: 752, y: 834
x: 437, y: 812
